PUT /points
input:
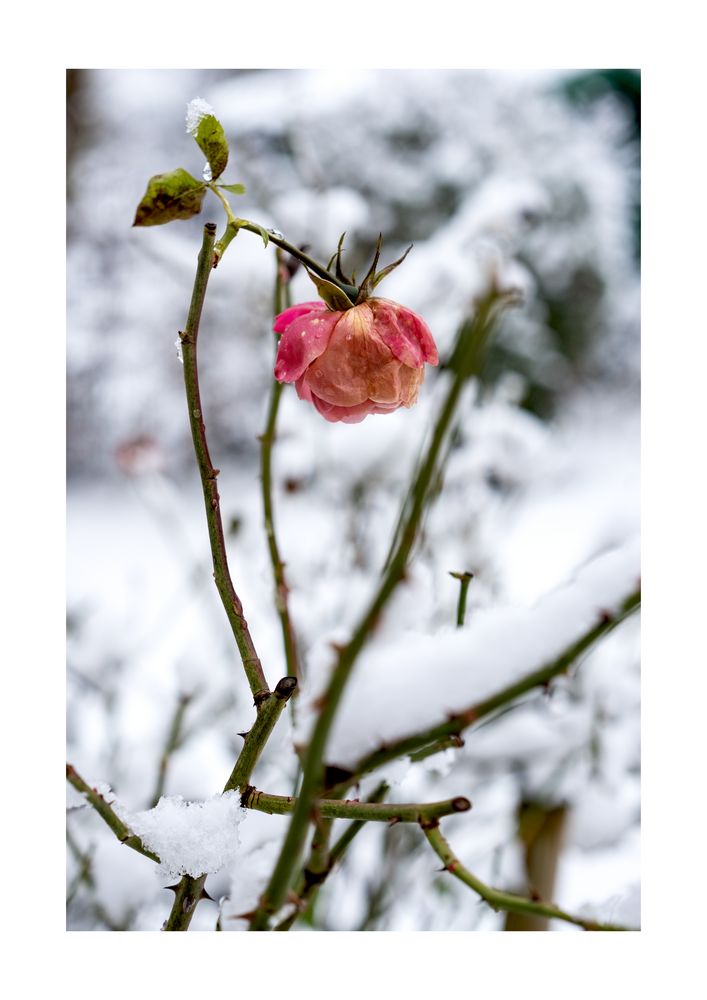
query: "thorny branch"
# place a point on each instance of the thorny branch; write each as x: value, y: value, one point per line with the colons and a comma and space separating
x: 436, y: 737
x: 499, y: 900
x: 107, y: 814
x: 231, y: 602
x: 267, y: 440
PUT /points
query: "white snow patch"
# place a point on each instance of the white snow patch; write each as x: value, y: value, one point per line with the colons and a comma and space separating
x: 191, y: 838
x: 197, y: 110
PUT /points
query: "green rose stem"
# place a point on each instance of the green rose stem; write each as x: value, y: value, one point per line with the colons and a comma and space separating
x: 308, y: 888
x: 435, y: 738
x: 175, y: 736
x: 267, y: 440
x: 466, y: 357
x: 382, y: 812
x: 447, y: 743
x: 232, y: 605
x: 464, y: 581
x: 234, y: 225
x: 258, y: 736
x: 497, y: 899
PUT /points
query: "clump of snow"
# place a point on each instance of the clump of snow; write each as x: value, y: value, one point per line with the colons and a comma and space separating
x: 197, y: 110
x: 191, y: 838
x: 105, y: 791
x: 416, y: 681
x: 76, y: 799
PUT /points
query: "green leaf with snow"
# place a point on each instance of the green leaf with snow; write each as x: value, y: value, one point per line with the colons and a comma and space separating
x: 211, y: 140
x: 174, y: 195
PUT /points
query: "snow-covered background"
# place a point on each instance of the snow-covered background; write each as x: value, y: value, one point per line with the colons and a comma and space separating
x: 531, y: 178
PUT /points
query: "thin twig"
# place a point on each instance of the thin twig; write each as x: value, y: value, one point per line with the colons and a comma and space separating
x: 499, y: 900
x: 104, y: 810
x: 173, y: 742
x: 267, y: 439
x: 84, y: 872
x: 234, y: 226
x: 464, y: 579
x: 231, y: 602
x: 453, y: 742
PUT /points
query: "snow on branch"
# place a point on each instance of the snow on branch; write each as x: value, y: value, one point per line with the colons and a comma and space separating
x: 419, y: 680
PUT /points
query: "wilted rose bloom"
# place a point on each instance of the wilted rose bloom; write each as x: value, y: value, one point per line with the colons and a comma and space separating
x: 367, y: 359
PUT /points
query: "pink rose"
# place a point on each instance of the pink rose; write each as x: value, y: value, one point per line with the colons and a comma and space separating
x: 367, y: 359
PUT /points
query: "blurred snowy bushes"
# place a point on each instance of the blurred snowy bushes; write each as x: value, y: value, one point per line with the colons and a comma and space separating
x: 479, y: 171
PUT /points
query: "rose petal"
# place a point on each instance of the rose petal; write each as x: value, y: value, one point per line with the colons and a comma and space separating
x: 404, y: 332
x: 344, y: 414
x: 356, y: 365
x: 305, y: 338
x: 283, y: 319
x: 410, y: 381
x: 349, y: 414
x: 303, y: 390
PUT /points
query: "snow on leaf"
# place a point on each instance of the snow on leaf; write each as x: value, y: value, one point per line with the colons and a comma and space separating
x: 197, y: 110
